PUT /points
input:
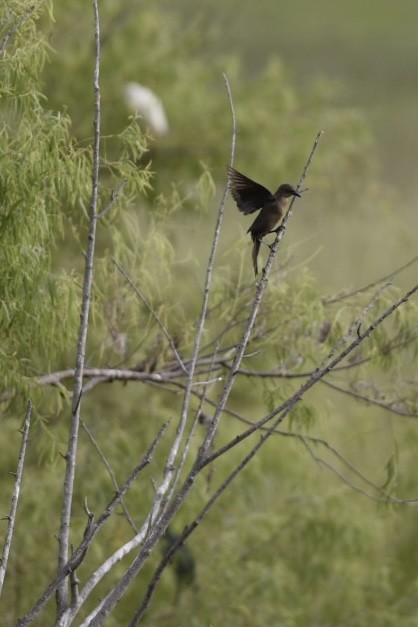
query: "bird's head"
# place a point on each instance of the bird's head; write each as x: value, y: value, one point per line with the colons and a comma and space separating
x: 286, y: 190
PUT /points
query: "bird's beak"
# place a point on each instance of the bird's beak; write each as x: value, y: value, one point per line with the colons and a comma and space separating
x: 295, y: 193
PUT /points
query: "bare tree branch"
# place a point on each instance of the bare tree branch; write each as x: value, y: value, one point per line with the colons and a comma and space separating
x: 64, y: 532
x: 365, y: 288
x: 114, y: 196
x: 208, y: 281
x: 139, y: 293
x: 393, y: 406
x: 13, y: 30
x: 15, y: 496
x: 110, y: 471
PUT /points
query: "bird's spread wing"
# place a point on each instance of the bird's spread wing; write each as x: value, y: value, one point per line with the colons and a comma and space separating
x: 248, y: 194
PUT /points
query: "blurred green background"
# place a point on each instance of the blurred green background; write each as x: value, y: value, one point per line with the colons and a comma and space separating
x: 368, y: 50
x: 366, y: 53
x: 291, y: 543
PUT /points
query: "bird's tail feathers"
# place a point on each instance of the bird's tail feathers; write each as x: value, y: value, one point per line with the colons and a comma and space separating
x: 256, y: 248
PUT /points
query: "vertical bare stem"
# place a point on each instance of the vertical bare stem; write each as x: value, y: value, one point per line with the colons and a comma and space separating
x: 15, y: 496
x: 64, y: 532
x: 204, y: 309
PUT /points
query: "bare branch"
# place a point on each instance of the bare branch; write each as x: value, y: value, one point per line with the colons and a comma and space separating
x: 110, y: 471
x: 15, y: 496
x: 208, y: 282
x: 202, y: 398
x: 13, y: 30
x: 392, y: 407
x: 64, y: 532
x: 308, y: 441
x: 114, y: 196
x: 108, y: 374
x: 139, y: 293
x: 354, y: 326
x: 365, y: 288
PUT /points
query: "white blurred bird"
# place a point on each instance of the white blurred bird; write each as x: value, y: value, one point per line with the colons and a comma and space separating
x: 145, y: 103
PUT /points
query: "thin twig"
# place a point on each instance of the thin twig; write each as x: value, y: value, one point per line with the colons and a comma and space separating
x: 162, y: 326
x: 110, y: 471
x: 114, y: 196
x: 323, y: 463
x: 202, y: 399
x: 354, y: 326
x: 15, y: 496
x: 208, y: 282
x: 13, y: 30
x: 309, y: 440
x: 391, y: 407
x: 335, y: 299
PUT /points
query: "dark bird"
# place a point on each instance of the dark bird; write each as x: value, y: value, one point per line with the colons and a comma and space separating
x: 251, y: 196
x: 184, y: 564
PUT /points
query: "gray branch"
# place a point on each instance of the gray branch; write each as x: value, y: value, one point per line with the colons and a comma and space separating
x: 15, y: 496
x: 13, y: 30
x: 70, y: 458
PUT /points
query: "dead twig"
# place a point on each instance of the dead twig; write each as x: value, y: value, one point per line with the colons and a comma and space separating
x: 13, y: 30
x: 11, y: 518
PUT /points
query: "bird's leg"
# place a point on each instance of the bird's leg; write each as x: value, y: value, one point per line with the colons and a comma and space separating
x: 279, y: 228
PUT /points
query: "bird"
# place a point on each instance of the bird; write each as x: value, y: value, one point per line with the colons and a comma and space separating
x: 184, y: 563
x: 251, y: 196
x: 144, y: 102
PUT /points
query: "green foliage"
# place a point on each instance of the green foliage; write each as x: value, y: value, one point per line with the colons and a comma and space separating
x: 39, y: 161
